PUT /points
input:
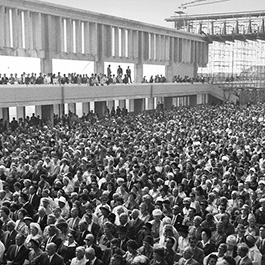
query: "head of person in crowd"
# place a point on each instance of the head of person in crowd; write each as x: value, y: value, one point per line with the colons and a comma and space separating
x: 242, y: 250
x: 212, y: 259
x: 80, y: 252
x: 227, y: 260
x: 222, y: 249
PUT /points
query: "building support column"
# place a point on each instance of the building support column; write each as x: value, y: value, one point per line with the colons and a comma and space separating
x: 168, y: 103
x: 47, y: 114
x: 139, y: 105
x: 100, y: 107
x: 20, y: 112
x: 193, y: 100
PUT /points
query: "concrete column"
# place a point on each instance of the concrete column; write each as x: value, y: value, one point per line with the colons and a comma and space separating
x: 87, y: 37
x: 72, y: 107
x: 46, y: 65
x: 167, y: 48
x: 163, y: 47
x: 92, y: 106
x: 158, y: 47
x: 130, y: 43
x: 152, y: 47
x: 193, y: 100
x: 2, y: 26
x: 135, y: 44
x: 28, y: 30
x: 78, y: 36
x: 93, y: 43
x: 138, y: 74
x: 17, y: 29
x: 100, y: 107
x: 107, y: 41
x: 122, y: 103
x: 36, y: 30
x: 168, y: 102
x: 47, y: 113
x: 116, y: 42
x: 127, y: 104
x: 116, y: 103
x: 123, y: 42
x: 180, y: 50
x: 69, y: 33
x: 7, y: 29
x: 86, y: 107
x: 38, y: 111
x: 58, y: 109
x: 79, y: 109
x: 145, y: 45
x: 131, y: 105
x: 20, y: 112
x: 149, y: 104
x: 176, y: 49
x: 4, y: 114
x: 139, y: 105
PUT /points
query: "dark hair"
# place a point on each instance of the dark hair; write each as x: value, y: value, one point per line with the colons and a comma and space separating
x: 132, y: 244
x: 212, y: 256
x: 207, y: 232
x: 229, y: 260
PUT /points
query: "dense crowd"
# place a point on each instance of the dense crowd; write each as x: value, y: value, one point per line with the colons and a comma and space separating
x: 184, y: 186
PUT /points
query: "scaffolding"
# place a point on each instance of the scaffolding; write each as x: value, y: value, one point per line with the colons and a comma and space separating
x: 236, y: 59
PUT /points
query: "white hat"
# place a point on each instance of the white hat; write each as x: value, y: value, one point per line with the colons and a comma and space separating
x: 62, y: 199
x: 157, y: 212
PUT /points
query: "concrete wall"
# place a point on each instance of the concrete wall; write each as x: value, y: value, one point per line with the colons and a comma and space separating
x: 18, y: 95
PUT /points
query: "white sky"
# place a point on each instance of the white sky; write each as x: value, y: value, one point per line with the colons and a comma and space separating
x: 155, y: 11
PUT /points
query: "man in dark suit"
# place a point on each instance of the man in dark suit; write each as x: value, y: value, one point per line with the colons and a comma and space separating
x: 53, y: 237
x: 124, y: 222
x: 93, y: 228
x: 74, y: 220
x: 24, y: 200
x: 187, y: 257
x: 83, y: 232
x: 90, y: 243
x: 10, y: 235
x: 34, y: 199
x: 136, y: 222
x: 198, y: 253
x: 41, y: 218
x: 91, y: 257
x: 49, y: 257
x: 17, y: 253
x: 261, y: 243
x: 242, y: 251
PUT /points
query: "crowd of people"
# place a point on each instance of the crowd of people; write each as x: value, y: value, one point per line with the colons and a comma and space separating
x: 184, y: 186
x: 120, y: 77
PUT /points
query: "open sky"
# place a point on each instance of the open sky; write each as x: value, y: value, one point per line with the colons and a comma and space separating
x: 155, y: 11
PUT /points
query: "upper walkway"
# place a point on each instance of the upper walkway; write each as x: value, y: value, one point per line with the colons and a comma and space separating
x: 20, y: 95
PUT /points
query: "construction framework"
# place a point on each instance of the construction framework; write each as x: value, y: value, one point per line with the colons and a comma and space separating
x: 236, y: 50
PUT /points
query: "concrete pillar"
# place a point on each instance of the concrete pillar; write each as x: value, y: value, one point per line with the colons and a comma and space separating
x: 4, y: 114
x: 130, y: 105
x: 110, y: 104
x: 168, y: 102
x: 130, y: 43
x: 16, y: 28
x: 135, y: 44
x: 139, y: 72
x: 85, y: 107
x: 116, y: 103
x: 7, y: 29
x: 149, y: 103
x: 2, y: 26
x: 107, y: 41
x: 87, y: 37
x: 152, y: 47
x: 122, y: 103
x: 72, y: 107
x: 92, y: 106
x: 127, y: 104
x: 78, y: 36
x: 28, y: 30
x: 116, y: 42
x: 20, y: 112
x: 38, y: 111
x: 46, y: 65
x: 36, y: 30
x: 139, y: 105
x: 123, y: 43
x: 163, y: 47
x: 58, y: 109
x: 193, y: 100
x: 47, y: 113
x: 79, y: 109
x: 69, y: 33
x: 100, y: 107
